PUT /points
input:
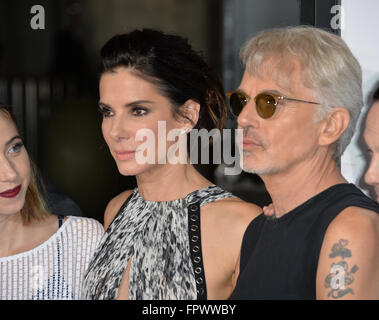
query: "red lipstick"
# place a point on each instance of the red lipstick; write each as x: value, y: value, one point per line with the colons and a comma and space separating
x: 11, y: 193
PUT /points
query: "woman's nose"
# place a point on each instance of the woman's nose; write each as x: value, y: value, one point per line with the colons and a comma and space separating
x: 117, y: 129
x: 7, y: 170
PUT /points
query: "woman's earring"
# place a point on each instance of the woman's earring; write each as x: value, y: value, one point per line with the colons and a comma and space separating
x: 184, y: 131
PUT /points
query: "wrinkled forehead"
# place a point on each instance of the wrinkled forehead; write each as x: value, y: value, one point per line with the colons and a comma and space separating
x: 287, y: 72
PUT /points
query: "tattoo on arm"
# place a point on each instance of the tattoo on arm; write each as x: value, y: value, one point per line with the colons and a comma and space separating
x: 340, y: 277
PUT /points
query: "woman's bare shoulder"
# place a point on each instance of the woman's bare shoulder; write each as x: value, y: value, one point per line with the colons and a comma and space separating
x: 238, y: 207
x: 234, y: 211
x: 114, y: 206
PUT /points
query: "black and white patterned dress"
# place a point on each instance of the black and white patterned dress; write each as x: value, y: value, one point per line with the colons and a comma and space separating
x: 162, y: 239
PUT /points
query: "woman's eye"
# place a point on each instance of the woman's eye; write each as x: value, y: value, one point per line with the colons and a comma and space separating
x: 138, y: 111
x: 106, y: 113
x: 16, y: 147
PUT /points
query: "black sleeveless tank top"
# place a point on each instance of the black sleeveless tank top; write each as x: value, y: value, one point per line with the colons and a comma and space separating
x: 279, y: 257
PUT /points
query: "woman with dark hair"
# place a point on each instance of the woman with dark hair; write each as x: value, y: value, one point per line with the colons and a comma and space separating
x: 155, y: 246
x: 42, y: 256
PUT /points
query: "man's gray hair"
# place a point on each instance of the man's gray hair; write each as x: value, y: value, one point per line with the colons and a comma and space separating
x: 328, y: 68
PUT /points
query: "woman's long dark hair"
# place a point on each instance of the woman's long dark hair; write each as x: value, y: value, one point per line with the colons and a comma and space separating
x: 170, y: 63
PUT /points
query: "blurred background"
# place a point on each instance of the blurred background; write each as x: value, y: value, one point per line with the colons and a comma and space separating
x: 49, y: 77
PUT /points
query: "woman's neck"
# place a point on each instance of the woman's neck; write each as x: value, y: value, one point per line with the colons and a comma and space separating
x: 12, y: 232
x: 170, y: 182
x: 17, y: 237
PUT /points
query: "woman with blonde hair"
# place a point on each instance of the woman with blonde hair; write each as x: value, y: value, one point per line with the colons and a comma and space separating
x: 42, y: 256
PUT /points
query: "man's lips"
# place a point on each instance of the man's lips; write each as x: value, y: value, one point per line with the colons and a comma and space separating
x: 11, y: 193
x: 248, y: 143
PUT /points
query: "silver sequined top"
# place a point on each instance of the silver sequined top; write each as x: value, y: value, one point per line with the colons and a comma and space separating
x: 162, y: 239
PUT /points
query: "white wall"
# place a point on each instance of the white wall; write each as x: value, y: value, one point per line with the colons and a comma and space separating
x: 360, y: 30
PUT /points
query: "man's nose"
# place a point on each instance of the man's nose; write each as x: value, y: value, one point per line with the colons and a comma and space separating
x: 372, y: 173
x: 248, y: 116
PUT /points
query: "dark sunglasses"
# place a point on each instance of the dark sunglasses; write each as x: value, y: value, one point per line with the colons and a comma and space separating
x: 265, y: 102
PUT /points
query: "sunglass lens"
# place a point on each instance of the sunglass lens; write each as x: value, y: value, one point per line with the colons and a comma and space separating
x: 266, y: 105
x: 237, y: 102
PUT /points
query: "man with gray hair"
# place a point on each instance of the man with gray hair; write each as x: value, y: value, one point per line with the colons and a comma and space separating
x: 298, y: 103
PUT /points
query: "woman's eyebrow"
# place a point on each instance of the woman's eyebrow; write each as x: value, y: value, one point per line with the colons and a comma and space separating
x: 11, y: 140
x: 128, y: 105
x: 137, y: 102
x: 102, y: 104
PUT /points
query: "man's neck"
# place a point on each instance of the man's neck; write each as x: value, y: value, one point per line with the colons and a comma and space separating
x: 291, y: 188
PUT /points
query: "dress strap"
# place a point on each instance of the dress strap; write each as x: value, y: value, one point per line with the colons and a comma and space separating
x: 195, y: 249
x: 195, y: 201
x: 208, y: 194
x: 60, y: 220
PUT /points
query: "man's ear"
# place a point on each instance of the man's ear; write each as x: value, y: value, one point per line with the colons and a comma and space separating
x: 191, y: 111
x: 334, y: 125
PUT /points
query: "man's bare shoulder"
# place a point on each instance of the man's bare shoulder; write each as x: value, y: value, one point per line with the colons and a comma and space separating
x: 351, y: 244
x: 359, y: 226
x: 114, y: 206
x: 355, y: 221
